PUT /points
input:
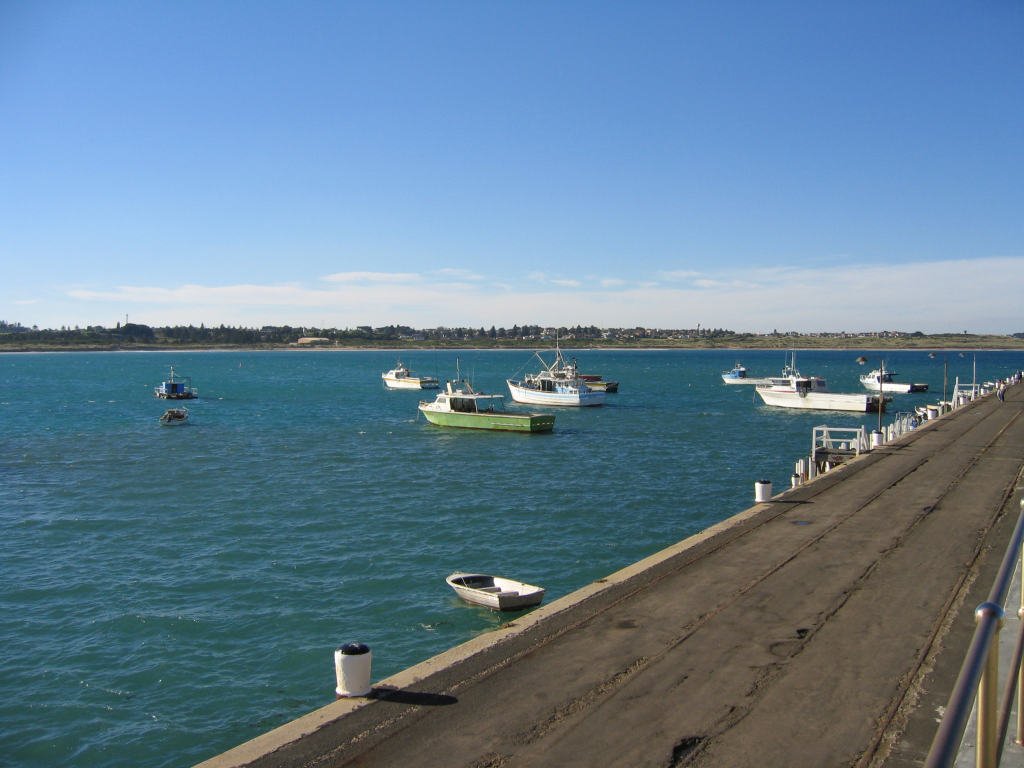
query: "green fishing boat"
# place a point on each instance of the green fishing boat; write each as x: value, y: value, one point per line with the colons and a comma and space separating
x: 461, y: 406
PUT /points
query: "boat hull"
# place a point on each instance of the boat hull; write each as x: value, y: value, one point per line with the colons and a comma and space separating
x: 820, y: 401
x: 894, y: 388
x: 411, y: 383
x: 726, y: 378
x: 503, y: 422
x: 581, y: 397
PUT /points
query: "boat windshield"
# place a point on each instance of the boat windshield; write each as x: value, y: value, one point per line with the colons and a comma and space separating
x: 477, y: 404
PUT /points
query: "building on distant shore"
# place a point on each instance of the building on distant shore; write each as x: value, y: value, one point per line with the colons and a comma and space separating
x: 304, y: 341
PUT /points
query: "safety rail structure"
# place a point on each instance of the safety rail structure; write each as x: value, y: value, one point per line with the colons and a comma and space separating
x: 831, y: 446
x: 979, y: 676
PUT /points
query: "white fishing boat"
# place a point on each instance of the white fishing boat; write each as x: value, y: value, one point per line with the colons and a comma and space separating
x: 558, y: 383
x: 174, y: 417
x: 882, y: 381
x: 495, y: 592
x: 176, y: 389
x: 738, y: 375
x: 401, y: 377
x: 793, y: 390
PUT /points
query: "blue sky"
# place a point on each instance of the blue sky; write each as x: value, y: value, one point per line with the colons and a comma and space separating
x: 748, y: 165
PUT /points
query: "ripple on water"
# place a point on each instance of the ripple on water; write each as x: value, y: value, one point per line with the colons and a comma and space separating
x: 169, y: 593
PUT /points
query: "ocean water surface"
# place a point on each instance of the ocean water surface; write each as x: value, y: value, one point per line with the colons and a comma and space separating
x: 168, y: 593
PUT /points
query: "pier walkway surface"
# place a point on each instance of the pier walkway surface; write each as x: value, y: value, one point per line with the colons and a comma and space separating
x: 824, y: 627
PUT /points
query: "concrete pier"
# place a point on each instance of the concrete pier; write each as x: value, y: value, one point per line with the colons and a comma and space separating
x: 824, y: 627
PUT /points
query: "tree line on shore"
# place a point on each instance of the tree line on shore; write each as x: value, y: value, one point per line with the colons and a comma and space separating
x: 14, y: 336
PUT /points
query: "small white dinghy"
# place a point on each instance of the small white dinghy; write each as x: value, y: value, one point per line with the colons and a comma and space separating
x: 172, y: 417
x: 495, y: 592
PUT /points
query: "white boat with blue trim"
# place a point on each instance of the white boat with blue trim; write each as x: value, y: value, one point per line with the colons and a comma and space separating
x: 176, y: 389
x: 738, y: 375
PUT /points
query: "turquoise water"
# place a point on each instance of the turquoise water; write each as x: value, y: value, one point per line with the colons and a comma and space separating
x: 167, y: 593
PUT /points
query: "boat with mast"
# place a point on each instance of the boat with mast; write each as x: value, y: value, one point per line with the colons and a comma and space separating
x: 175, y: 389
x: 794, y: 390
x: 557, y: 383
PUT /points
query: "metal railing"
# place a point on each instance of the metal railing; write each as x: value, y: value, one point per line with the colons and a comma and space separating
x: 979, y: 676
x: 839, y: 438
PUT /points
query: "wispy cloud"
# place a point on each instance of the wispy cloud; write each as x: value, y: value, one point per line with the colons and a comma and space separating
x: 678, y: 275
x: 373, y: 277
x: 930, y: 297
x: 459, y: 274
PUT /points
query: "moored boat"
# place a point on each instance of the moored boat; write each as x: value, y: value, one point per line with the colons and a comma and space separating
x: 176, y: 389
x: 811, y: 392
x: 738, y: 375
x: 558, y: 383
x: 495, y: 592
x: 882, y: 381
x: 793, y: 390
x: 596, y: 381
x: 459, y: 405
x: 173, y: 417
x: 401, y: 377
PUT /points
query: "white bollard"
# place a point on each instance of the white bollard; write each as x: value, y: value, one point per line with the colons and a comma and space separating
x: 794, y: 480
x: 352, y: 669
x: 762, y: 490
x: 876, y: 439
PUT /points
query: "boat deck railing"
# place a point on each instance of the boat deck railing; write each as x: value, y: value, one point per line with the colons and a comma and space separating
x: 978, y: 681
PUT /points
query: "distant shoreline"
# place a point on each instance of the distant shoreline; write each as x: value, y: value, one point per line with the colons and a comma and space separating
x: 975, y: 344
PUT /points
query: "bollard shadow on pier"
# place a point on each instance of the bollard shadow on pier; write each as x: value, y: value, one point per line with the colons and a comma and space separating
x: 412, y: 698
